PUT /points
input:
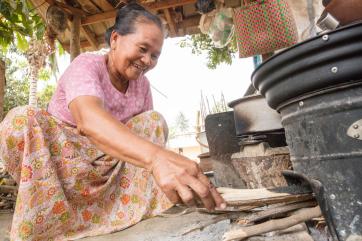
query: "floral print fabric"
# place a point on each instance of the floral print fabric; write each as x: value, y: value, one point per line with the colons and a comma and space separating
x: 67, y: 188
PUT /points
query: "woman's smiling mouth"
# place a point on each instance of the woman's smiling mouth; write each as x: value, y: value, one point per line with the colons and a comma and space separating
x: 139, y: 67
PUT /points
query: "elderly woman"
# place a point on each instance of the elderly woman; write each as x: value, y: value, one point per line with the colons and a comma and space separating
x: 94, y: 163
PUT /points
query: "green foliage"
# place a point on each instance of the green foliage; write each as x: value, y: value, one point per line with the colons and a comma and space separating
x: 44, y: 74
x: 17, y: 84
x: 201, y: 43
x: 18, y: 20
x: 16, y: 93
x: 45, y: 95
x: 60, y: 49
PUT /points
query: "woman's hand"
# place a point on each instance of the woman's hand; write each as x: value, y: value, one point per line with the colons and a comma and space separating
x: 183, y: 181
x: 180, y: 178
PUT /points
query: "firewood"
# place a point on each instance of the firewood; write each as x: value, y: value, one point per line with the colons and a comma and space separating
x: 8, y: 189
x: 254, y: 217
x: 259, y: 197
x: 11, y: 198
x: 299, y: 216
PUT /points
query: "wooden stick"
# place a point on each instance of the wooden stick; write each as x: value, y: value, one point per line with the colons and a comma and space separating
x: 13, y: 199
x: 275, y: 211
x: 8, y: 189
x: 268, y: 201
x: 300, y: 216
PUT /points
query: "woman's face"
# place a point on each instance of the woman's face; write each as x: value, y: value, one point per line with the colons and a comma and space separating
x: 136, y: 53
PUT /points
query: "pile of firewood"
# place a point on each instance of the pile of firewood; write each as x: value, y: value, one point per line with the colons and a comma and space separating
x: 8, y: 191
x: 268, y: 211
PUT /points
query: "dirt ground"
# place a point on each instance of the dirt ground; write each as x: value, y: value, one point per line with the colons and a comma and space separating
x: 176, y: 228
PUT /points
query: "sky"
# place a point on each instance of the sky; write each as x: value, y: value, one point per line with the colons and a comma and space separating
x: 181, y: 76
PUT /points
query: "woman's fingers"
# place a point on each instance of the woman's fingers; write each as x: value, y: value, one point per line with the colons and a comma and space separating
x: 202, y: 191
x: 185, y: 194
x: 173, y: 196
x: 216, y: 196
x: 182, y: 180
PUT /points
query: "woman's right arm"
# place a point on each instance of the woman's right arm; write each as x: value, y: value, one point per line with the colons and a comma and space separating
x: 177, y: 176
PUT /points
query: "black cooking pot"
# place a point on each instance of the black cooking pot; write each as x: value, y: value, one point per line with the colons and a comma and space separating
x: 317, y: 87
x: 256, y: 122
x: 315, y: 64
x: 252, y: 114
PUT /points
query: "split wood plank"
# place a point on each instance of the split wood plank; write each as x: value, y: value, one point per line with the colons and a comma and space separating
x: 233, y: 194
x: 259, y: 197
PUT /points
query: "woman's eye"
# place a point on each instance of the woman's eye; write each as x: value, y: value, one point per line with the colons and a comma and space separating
x: 143, y: 50
x: 154, y: 56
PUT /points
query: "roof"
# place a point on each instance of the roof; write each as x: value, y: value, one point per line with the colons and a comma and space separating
x: 179, y: 16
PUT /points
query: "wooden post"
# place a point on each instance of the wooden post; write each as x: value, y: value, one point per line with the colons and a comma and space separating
x: 2, y: 88
x: 75, y: 37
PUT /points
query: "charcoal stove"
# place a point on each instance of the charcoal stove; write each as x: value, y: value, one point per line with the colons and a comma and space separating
x: 317, y: 88
x: 262, y: 155
x: 256, y: 122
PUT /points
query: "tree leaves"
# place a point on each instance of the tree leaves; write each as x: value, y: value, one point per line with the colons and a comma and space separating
x: 17, y: 21
x: 17, y: 84
x: 21, y: 42
x: 200, y: 43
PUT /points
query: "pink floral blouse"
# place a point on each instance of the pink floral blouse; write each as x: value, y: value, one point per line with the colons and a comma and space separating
x: 88, y: 75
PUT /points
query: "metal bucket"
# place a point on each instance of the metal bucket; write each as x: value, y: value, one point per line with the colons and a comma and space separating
x: 317, y: 87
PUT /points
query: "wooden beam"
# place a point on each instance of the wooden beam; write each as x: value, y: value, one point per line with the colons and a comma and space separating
x: 71, y: 10
x: 110, y: 15
x: 75, y: 37
x: 99, y: 17
x: 168, y: 4
x: 103, y: 4
x: 90, y: 36
x: 88, y: 6
x: 85, y: 44
x: 171, y: 23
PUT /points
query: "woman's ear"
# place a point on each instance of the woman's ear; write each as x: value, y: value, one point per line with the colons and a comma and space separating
x: 113, y: 39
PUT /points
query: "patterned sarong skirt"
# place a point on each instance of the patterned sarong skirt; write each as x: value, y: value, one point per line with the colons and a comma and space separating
x: 67, y: 188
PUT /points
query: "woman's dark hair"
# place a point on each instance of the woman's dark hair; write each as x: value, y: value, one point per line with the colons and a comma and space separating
x: 126, y: 18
